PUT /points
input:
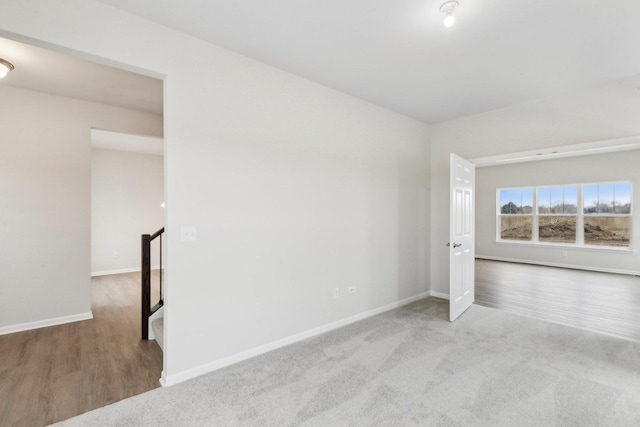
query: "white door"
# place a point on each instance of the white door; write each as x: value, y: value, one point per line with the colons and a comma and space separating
x: 461, y: 236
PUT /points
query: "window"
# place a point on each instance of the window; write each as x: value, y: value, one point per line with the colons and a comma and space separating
x: 583, y: 214
x: 557, y: 214
x: 516, y: 214
x: 607, y: 214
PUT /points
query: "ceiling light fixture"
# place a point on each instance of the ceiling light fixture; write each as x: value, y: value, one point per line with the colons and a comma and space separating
x: 448, y: 8
x: 5, y: 67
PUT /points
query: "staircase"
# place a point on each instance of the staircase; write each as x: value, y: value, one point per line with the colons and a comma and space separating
x: 158, y: 330
x: 151, y: 315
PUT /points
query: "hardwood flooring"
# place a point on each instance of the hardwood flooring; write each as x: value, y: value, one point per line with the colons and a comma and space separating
x: 601, y: 302
x: 51, y: 374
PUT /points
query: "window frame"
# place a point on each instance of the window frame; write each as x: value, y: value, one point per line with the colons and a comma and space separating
x: 610, y: 214
x: 580, y: 216
x: 500, y: 214
x: 552, y: 214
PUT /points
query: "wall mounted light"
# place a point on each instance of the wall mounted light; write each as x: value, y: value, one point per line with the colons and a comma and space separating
x: 448, y: 8
x: 5, y: 67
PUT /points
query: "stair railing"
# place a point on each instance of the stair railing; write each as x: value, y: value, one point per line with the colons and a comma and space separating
x: 147, y: 309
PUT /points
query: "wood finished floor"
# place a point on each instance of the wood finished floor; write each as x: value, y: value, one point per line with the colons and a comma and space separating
x: 601, y: 302
x: 51, y: 374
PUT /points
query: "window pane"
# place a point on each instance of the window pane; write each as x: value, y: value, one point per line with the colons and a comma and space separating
x: 607, y: 231
x: 516, y: 201
x: 622, y: 198
x: 557, y: 201
x: 544, y: 200
x: 605, y: 198
x: 516, y: 227
x: 557, y: 229
x: 505, y: 198
x: 527, y: 200
x: 570, y: 200
x: 590, y: 195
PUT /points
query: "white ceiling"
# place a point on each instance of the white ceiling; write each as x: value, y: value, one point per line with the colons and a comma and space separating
x: 397, y: 53
x: 56, y: 73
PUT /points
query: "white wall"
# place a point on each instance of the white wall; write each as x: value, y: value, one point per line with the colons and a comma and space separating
x: 295, y: 189
x: 45, y: 202
x: 127, y: 190
x: 599, y: 113
x: 621, y: 166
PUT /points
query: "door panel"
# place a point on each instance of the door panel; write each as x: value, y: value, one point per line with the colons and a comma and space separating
x: 461, y: 236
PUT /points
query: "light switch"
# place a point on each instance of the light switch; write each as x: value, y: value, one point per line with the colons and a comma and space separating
x: 188, y: 234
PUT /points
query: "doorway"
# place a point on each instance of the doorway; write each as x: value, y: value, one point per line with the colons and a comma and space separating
x: 538, y: 278
x: 81, y: 364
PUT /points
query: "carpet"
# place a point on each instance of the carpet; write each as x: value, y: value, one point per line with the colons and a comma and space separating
x: 410, y: 366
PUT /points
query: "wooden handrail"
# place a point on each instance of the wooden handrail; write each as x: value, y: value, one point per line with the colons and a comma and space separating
x: 147, y: 310
x: 157, y: 233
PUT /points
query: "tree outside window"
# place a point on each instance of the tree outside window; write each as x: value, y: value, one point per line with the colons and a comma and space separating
x: 516, y: 214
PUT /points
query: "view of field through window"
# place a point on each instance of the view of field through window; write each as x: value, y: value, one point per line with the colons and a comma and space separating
x: 516, y: 228
x: 557, y: 210
x: 605, y: 210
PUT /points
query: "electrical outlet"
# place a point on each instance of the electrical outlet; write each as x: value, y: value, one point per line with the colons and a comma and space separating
x: 116, y: 254
x: 336, y: 293
x: 564, y: 253
x: 188, y: 234
x: 352, y: 290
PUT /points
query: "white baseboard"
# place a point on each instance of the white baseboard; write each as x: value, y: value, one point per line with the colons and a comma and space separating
x: 121, y: 271
x: 248, y: 354
x: 439, y: 295
x: 45, y: 323
x: 560, y: 265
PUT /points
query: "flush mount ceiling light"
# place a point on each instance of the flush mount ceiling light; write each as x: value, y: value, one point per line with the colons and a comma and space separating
x: 5, y: 67
x: 448, y: 8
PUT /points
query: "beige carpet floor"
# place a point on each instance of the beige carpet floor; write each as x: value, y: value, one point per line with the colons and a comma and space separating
x: 410, y: 366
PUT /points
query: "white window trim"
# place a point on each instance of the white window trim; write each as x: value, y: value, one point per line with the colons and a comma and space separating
x: 586, y: 248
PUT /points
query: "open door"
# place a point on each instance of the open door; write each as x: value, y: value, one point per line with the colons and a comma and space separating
x: 461, y: 236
